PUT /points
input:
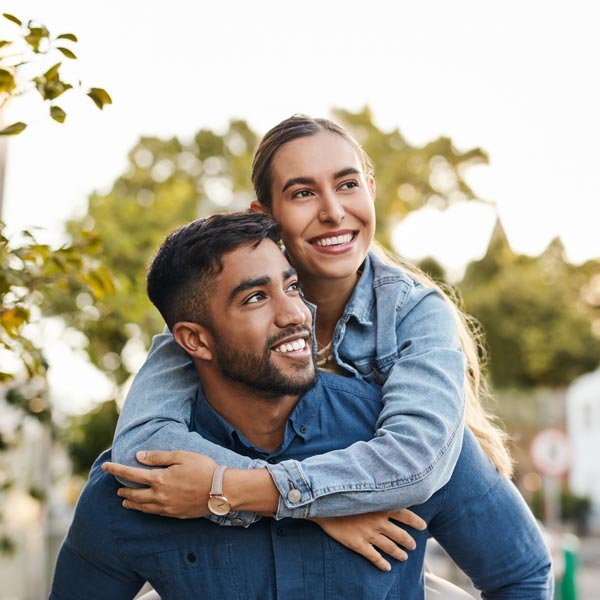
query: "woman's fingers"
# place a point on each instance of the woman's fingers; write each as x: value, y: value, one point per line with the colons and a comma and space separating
x: 408, y: 517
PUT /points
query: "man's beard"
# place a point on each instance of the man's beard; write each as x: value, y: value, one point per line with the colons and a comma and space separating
x: 258, y: 372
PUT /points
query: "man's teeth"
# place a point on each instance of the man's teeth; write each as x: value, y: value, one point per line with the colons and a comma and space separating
x: 291, y: 346
x: 334, y: 240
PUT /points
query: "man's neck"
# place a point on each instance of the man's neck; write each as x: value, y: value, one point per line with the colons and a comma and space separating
x: 260, y: 418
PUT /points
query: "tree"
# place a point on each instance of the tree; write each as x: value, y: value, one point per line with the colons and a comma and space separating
x: 538, y: 314
x: 32, y: 50
x: 410, y: 177
x: 31, y: 272
x: 170, y: 182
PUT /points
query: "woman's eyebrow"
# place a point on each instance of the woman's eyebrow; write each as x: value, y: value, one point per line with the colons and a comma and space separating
x: 346, y: 171
x: 309, y: 180
x: 295, y: 180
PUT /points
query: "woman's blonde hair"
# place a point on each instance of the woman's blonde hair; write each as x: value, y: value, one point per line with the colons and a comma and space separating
x: 484, y: 425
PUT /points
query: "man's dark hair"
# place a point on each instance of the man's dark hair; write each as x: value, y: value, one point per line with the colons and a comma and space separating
x: 183, y: 271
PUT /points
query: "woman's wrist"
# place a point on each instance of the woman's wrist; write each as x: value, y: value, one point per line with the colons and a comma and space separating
x: 251, y: 490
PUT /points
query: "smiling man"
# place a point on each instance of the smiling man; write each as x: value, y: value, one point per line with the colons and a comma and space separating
x: 232, y: 302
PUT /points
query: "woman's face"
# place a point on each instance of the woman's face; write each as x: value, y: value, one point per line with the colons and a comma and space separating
x: 325, y: 204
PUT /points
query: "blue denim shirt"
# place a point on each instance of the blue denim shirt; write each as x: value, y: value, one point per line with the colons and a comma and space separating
x: 478, y: 517
x: 394, y: 332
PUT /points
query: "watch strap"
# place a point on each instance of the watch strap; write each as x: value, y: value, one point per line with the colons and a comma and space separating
x: 216, y: 487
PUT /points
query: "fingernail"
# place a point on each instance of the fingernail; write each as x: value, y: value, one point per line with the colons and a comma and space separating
x: 387, y: 568
x: 141, y: 455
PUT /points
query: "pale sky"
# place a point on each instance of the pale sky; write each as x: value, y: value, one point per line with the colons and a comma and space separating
x: 517, y: 78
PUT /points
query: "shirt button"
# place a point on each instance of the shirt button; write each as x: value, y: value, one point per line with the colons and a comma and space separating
x: 303, y: 429
x: 272, y: 460
x: 294, y: 495
x: 281, y: 531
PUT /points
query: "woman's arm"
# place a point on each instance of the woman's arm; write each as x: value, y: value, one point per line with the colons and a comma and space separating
x: 418, y: 433
x: 415, y: 447
x: 157, y: 410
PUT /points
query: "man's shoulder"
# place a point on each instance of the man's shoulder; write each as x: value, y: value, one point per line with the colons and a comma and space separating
x: 353, y: 386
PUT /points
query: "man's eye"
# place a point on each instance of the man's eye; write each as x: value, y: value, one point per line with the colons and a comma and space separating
x: 294, y: 286
x: 256, y: 297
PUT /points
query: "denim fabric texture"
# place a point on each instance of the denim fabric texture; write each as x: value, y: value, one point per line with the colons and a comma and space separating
x: 478, y: 517
x: 394, y: 332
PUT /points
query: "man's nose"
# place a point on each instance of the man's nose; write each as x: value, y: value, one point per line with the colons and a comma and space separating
x: 291, y: 310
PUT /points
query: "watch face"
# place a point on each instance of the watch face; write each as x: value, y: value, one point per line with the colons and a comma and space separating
x: 219, y: 505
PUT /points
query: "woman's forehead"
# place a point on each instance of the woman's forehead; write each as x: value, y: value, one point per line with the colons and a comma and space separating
x: 309, y: 155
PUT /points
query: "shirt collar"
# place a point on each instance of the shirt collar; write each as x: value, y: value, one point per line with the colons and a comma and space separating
x: 302, y: 422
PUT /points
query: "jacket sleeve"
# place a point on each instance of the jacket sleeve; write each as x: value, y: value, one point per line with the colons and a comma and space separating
x: 418, y: 434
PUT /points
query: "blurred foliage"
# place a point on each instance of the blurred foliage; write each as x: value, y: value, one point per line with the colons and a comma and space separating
x: 170, y: 182
x: 539, y: 314
x: 572, y: 508
x: 28, y: 63
x: 89, y: 435
x: 30, y: 273
x: 410, y: 177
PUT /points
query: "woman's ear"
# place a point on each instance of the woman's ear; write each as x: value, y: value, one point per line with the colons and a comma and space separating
x: 372, y: 186
x: 256, y: 206
x: 195, y: 339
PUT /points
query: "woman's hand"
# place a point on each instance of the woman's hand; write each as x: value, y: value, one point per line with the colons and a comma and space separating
x: 367, y: 533
x: 181, y: 489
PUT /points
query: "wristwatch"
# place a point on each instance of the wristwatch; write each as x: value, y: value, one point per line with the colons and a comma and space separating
x: 217, y: 503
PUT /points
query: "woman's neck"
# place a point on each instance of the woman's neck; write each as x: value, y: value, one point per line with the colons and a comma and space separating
x: 331, y: 297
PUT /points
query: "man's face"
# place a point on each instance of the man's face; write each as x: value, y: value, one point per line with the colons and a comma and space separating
x: 261, y: 327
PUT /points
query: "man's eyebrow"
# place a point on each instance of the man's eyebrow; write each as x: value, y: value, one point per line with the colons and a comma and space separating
x: 248, y: 284
x: 291, y: 272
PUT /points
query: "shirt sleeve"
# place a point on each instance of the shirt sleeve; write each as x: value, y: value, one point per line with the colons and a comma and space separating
x: 419, y: 431
x: 487, y: 529
x: 157, y: 412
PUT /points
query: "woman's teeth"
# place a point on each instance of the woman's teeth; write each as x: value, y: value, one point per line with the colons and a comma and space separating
x: 334, y: 240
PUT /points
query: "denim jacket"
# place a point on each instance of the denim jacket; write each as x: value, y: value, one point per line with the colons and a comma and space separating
x: 394, y: 332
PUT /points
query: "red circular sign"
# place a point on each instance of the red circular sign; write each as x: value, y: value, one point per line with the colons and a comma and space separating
x: 550, y: 452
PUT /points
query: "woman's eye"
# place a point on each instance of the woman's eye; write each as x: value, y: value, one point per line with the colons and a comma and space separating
x: 347, y: 185
x: 301, y: 194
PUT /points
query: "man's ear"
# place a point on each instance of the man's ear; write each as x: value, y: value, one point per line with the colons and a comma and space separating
x: 195, y: 339
x: 256, y: 206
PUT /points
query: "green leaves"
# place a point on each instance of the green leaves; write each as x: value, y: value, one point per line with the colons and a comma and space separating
x: 12, y: 18
x: 68, y: 53
x: 58, y: 114
x: 100, y: 97
x: 18, y: 71
x: 14, y: 129
x: 67, y: 36
x: 7, y: 81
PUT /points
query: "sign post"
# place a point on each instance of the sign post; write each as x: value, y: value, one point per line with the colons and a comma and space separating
x: 551, y: 456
